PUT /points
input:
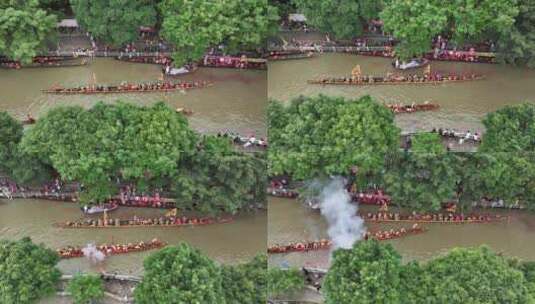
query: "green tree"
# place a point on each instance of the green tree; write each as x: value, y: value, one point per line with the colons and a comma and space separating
x: 344, y: 19
x: 517, y: 44
x: 510, y: 129
x: 424, y: 177
x: 10, y: 136
x: 282, y: 281
x: 27, y: 271
x: 85, y: 289
x: 416, y: 22
x: 475, y: 276
x: 246, y: 283
x: 328, y: 135
x: 115, y: 22
x: 214, y: 181
x: 142, y: 145
x: 180, y: 274
x: 24, y: 29
x: 367, y: 273
x: 194, y: 26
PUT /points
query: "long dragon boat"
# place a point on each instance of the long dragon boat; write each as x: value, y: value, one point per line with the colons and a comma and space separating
x: 111, y: 249
x: 167, y: 221
x: 381, y: 235
x: 449, y: 218
x: 45, y: 64
x: 243, y: 62
x: 446, y: 55
x: 397, y: 80
x: 151, y: 87
x: 401, y: 108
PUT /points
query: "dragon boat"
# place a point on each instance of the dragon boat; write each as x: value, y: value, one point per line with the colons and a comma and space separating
x: 70, y: 252
x: 151, y: 87
x: 425, y: 79
x: 164, y: 221
x: 440, y: 218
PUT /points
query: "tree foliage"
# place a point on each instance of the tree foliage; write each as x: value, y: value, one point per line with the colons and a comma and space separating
x: 24, y: 29
x: 196, y: 25
x: 423, y: 178
x: 517, y: 44
x: 415, y: 23
x: 368, y: 273
x: 10, y: 136
x: 96, y: 146
x: 221, y: 180
x: 246, y: 283
x: 85, y: 289
x: 344, y: 19
x: 27, y: 271
x: 180, y: 274
x: 323, y: 135
x: 510, y: 129
x: 281, y: 281
x: 372, y: 273
x: 114, y: 21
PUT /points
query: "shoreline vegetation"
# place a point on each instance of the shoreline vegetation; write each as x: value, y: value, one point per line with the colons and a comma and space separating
x: 108, y: 148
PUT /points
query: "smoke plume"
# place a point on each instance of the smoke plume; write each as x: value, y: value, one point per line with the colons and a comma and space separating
x: 345, y: 226
x: 93, y: 254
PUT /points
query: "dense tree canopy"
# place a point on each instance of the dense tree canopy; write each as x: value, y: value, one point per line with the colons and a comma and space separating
x: 322, y: 135
x: 246, y: 283
x: 24, y: 29
x: 10, y: 136
x: 373, y: 273
x: 510, y: 129
x: 216, y: 181
x: 281, y: 281
x: 194, y: 26
x: 114, y: 21
x: 344, y: 19
x: 415, y: 23
x: 95, y: 146
x: 369, y: 273
x: 180, y: 274
x: 27, y: 271
x: 424, y: 177
x: 85, y: 289
x: 517, y: 44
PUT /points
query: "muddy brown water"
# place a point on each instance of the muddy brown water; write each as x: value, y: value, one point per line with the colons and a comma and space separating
x: 236, y: 101
x: 462, y: 105
x: 290, y: 221
x: 233, y: 242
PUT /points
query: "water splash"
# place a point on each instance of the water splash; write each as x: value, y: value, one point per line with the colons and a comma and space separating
x: 93, y: 254
x: 345, y: 226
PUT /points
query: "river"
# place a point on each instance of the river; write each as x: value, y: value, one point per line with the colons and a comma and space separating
x: 290, y: 221
x: 462, y: 105
x: 232, y: 242
x: 236, y: 102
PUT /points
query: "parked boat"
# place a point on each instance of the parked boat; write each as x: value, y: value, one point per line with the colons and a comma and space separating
x: 163, y: 60
x: 242, y: 62
x: 278, y: 56
x: 99, y: 208
x: 111, y: 249
x: 282, y: 192
x: 45, y: 64
x: 412, y: 64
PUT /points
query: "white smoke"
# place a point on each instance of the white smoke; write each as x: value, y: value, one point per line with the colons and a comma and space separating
x: 93, y: 254
x: 345, y: 226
